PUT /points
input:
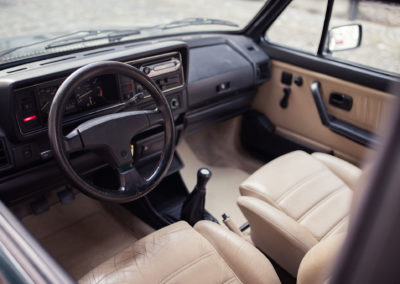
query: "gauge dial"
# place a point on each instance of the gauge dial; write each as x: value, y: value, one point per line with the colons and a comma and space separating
x: 85, y: 97
x: 46, y: 97
x: 89, y: 94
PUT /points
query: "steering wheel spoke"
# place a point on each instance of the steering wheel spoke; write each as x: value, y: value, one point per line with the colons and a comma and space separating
x: 73, y: 142
x: 111, y: 134
x: 154, y: 117
x: 131, y: 180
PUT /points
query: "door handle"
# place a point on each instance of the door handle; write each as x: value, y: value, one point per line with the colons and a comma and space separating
x: 341, y: 127
x: 341, y: 101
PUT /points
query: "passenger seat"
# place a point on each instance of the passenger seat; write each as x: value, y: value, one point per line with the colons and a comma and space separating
x: 295, y: 201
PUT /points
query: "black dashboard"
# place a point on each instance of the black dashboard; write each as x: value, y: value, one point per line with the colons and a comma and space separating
x: 33, y: 103
x: 96, y: 95
x: 205, y: 78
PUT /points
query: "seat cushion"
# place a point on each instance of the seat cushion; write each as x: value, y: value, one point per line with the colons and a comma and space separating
x: 180, y: 254
x: 295, y: 201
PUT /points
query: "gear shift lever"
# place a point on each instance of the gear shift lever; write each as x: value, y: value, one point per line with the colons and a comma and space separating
x: 193, y: 207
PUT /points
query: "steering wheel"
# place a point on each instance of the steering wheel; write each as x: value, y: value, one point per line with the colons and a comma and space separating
x: 110, y: 135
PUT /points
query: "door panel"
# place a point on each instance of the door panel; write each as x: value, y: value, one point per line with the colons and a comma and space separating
x: 301, y: 122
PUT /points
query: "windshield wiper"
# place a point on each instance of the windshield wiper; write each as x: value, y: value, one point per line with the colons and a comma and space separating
x: 112, y: 35
x: 194, y: 22
x: 92, y: 35
x: 117, y: 35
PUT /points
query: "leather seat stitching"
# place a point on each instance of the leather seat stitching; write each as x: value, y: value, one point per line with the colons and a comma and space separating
x: 320, y: 200
x: 257, y: 192
x: 114, y: 259
x: 319, y: 203
x: 341, y: 221
x: 221, y: 254
x: 287, y: 194
x: 167, y: 233
x: 175, y: 273
x: 301, y: 182
x: 230, y: 280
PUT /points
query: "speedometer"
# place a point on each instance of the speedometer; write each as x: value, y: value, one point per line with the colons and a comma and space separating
x: 89, y: 94
x: 45, y: 96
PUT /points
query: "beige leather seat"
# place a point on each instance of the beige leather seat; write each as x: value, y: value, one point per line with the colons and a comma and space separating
x: 207, y: 253
x: 295, y: 201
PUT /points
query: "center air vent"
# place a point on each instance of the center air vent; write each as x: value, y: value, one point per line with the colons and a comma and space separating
x: 3, y: 155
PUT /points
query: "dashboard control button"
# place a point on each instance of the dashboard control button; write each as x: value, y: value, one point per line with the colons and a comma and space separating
x: 298, y: 81
x: 146, y: 70
x: 27, y: 153
x: 223, y: 87
x: 174, y: 103
x: 45, y: 155
x: 128, y: 87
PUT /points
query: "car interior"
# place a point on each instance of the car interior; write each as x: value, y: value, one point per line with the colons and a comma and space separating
x: 215, y: 157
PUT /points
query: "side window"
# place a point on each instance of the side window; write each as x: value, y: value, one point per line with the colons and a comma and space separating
x: 362, y: 32
x: 299, y: 26
x: 380, y: 42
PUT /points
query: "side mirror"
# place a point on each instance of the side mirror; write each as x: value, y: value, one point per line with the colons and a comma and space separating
x: 344, y: 37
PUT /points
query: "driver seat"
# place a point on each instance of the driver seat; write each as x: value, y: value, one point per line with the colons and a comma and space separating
x: 178, y: 253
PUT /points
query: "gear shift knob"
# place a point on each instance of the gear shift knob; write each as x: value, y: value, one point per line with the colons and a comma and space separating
x: 203, y: 176
x: 193, y: 208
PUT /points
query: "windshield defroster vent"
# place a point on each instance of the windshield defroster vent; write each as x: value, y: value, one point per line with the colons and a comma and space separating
x: 16, y: 70
x: 4, y: 161
x: 99, y: 51
x: 57, y: 60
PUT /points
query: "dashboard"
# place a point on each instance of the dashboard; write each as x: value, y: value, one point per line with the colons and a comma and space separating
x: 205, y: 79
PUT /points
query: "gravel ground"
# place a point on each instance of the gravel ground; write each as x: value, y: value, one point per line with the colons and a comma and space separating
x: 300, y: 26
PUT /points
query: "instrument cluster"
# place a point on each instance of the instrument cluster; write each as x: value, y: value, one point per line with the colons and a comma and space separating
x: 94, y: 93
x: 101, y: 93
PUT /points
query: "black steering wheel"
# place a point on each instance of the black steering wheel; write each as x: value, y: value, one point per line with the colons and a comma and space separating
x: 110, y: 135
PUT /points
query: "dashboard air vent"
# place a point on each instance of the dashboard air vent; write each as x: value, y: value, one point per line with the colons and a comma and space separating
x: 263, y: 71
x: 57, y: 60
x: 98, y: 51
x: 3, y: 155
x: 16, y: 70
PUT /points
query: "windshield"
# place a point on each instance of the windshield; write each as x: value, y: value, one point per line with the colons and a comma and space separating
x: 32, y: 28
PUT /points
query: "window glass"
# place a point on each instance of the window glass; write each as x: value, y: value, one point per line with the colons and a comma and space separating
x: 300, y: 25
x: 31, y: 28
x: 380, y: 21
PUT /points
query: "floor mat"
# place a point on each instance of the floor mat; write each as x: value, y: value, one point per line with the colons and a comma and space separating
x: 82, y: 234
x: 218, y: 149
